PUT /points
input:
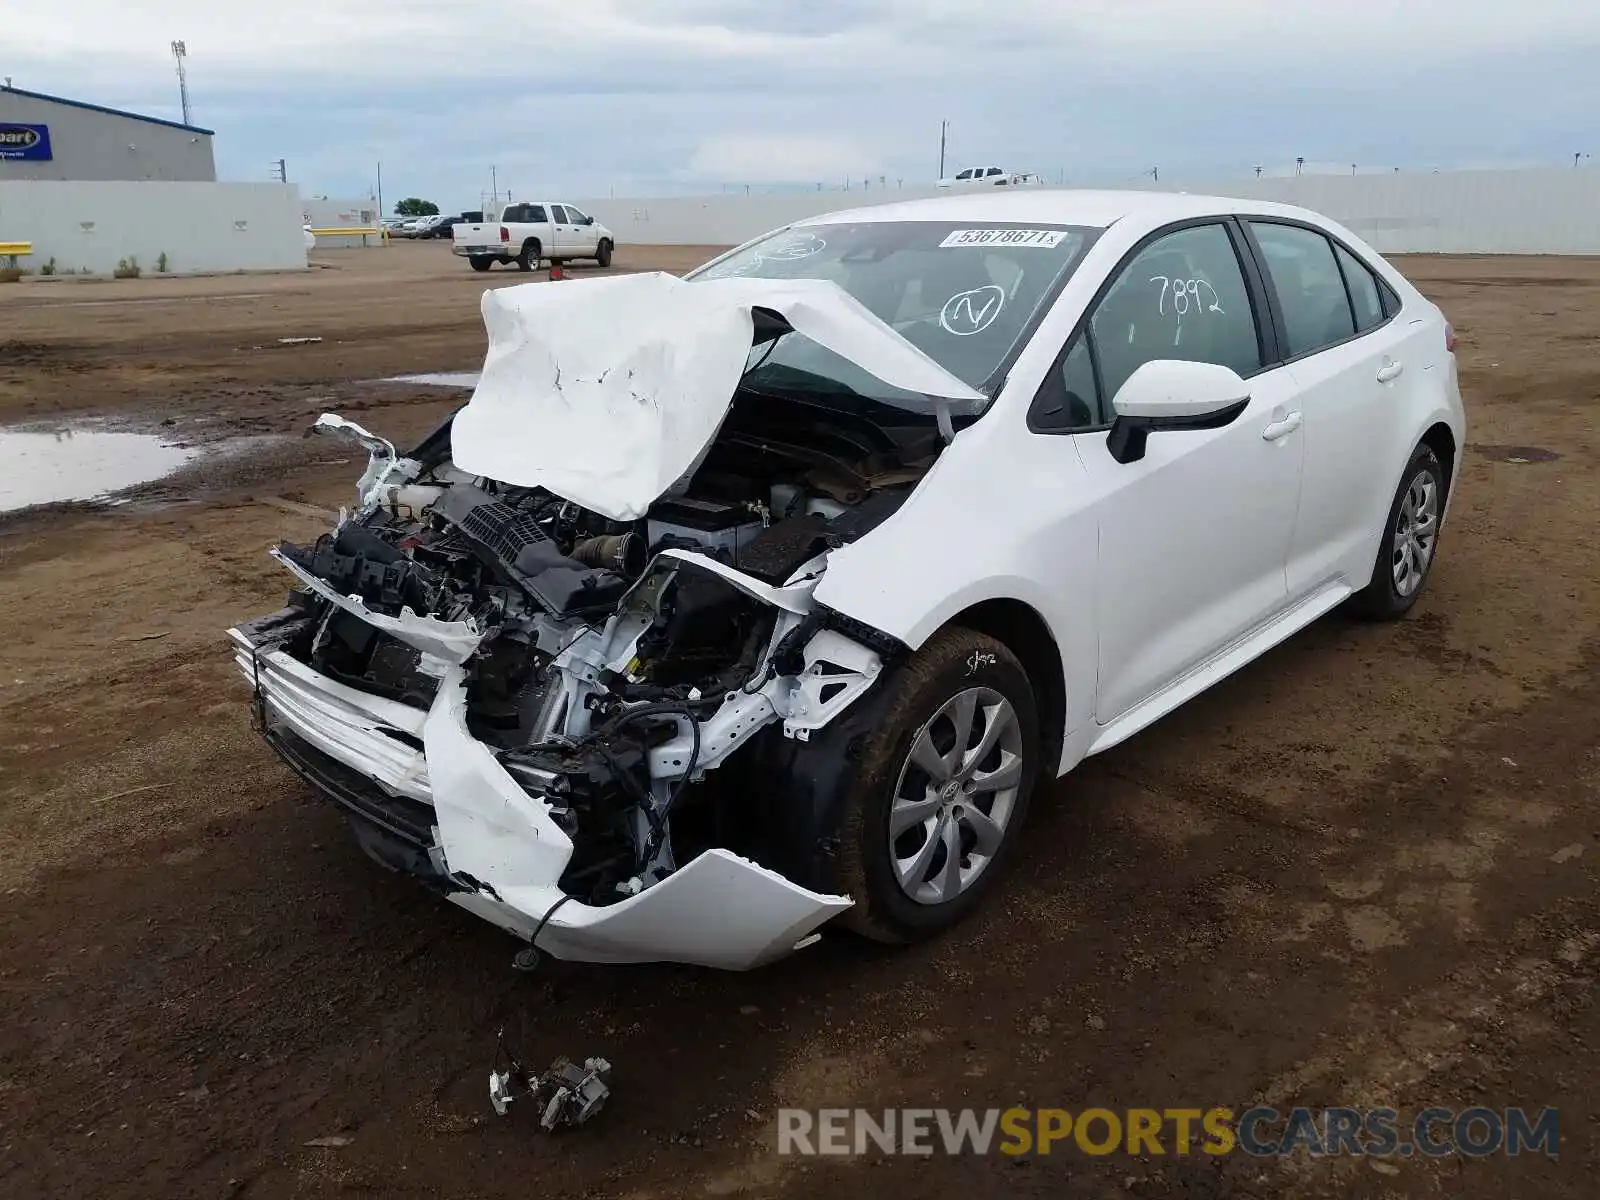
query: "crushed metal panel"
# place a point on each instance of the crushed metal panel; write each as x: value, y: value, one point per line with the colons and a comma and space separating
x: 451, y: 641
x: 607, y: 391
x: 489, y: 827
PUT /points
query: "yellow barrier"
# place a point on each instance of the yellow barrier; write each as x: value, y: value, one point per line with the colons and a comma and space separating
x: 361, y: 231
x: 15, y: 250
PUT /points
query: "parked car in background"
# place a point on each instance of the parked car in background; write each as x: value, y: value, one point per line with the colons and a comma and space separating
x: 530, y: 231
x: 407, y: 228
x: 440, y: 227
x: 734, y: 604
x: 988, y: 176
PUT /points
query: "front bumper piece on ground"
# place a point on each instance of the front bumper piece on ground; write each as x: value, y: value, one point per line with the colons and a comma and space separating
x: 427, y: 798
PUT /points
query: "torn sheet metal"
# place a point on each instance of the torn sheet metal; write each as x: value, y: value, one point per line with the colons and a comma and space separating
x: 450, y: 641
x: 382, y: 463
x: 606, y: 392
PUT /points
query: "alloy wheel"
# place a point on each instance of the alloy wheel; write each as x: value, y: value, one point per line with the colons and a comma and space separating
x: 1416, y: 530
x: 955, y: 795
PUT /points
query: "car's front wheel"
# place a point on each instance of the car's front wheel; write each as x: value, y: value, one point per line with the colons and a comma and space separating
x: 603, y: 252
x: 942, y: 788
x: 1410, y: 540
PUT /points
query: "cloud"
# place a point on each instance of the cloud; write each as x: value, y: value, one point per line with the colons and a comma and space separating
x: 659, y: 96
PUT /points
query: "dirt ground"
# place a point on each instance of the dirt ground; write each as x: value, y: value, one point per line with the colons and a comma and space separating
x: 1362, y: 871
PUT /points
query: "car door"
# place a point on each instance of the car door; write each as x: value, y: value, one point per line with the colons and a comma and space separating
x: 583, y: 232
x: 1346, y: 357
x: 1193, y: 537
x: 560, y: 243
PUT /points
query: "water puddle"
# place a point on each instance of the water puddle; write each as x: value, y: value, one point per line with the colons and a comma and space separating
x: 79, y: 464
x: 451, y: 379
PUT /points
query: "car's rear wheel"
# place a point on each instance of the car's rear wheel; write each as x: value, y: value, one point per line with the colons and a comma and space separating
x: 480, y: 262
x: 529, y: 258
x: 942, y: 788
x: 602, y: 253
x: 1410, y: 541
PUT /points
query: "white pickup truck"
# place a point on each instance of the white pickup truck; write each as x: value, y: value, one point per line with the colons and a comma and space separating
x: 526, y: 232
x: 992, y: 176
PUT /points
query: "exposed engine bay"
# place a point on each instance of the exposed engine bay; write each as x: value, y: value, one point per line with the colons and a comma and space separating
x: 611, y: 666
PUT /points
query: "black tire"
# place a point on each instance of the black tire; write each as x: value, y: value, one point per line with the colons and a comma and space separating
x: 603, y: 252
x: 951, y: 662
x: 480, y: 262
x: 528, y: 260
x: 1382, y: 599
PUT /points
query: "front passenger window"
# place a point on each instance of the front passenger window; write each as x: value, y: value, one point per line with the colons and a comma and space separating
x: 1183, y: 296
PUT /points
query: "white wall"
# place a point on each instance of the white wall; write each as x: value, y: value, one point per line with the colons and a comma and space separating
x: 199, y: 226
x: 1459, y: 212
x: 324, y: 213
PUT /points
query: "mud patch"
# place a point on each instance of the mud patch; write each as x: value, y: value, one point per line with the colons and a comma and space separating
x: 1519, y: 455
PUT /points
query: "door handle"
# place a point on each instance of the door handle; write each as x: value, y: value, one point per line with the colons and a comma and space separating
x: 1390, y: 370
x: 1281, y: 429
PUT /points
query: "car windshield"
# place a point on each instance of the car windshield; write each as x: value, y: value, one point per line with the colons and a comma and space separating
x: 965, y: 293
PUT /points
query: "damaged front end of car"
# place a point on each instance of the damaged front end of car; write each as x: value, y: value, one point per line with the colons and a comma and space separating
x: 583, y: 728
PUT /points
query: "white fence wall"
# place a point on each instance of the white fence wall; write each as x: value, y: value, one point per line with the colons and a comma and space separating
x: 1452, y: 212
x: 90, y: 227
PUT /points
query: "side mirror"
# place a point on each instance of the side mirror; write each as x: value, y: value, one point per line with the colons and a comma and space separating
x: 1170, y: 394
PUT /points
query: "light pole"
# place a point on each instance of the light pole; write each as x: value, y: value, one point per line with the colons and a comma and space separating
x: 944, y: 127
x: 181, y: 52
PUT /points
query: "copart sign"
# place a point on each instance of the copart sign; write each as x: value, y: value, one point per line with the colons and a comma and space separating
x: 31, y: 142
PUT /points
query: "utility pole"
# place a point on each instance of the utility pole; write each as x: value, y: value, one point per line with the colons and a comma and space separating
x: 944, y: 127
x: 494, y: 185
x: 380, y: 191
x: 1299, y: 164
x: 1258, y: 172
x: 282, y: 169
x: 180, y: 52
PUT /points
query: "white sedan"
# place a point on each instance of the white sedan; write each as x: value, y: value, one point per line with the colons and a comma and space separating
x: 735, y: 605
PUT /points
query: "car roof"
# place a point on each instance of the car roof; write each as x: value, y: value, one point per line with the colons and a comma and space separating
x: 1060, y: 206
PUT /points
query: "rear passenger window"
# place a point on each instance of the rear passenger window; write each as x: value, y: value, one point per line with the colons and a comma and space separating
x: 1183, y: 296
x: 559, y: 215
x: 1311, y: 295
x: 1363, y: 287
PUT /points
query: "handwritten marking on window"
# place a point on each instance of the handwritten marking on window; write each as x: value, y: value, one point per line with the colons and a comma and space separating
x: 967, y: 313
x: 1187, y: 298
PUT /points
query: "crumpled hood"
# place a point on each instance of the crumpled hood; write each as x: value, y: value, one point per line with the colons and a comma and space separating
x: 606, y: 391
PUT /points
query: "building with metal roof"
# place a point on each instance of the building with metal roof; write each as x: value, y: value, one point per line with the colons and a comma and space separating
x: 51, y: 138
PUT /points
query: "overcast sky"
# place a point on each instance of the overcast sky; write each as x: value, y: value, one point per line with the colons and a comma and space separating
x: 656, y: 96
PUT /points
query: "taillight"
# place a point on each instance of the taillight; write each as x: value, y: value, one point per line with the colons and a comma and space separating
x: 505, y: 234
x: 1449, y: 337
